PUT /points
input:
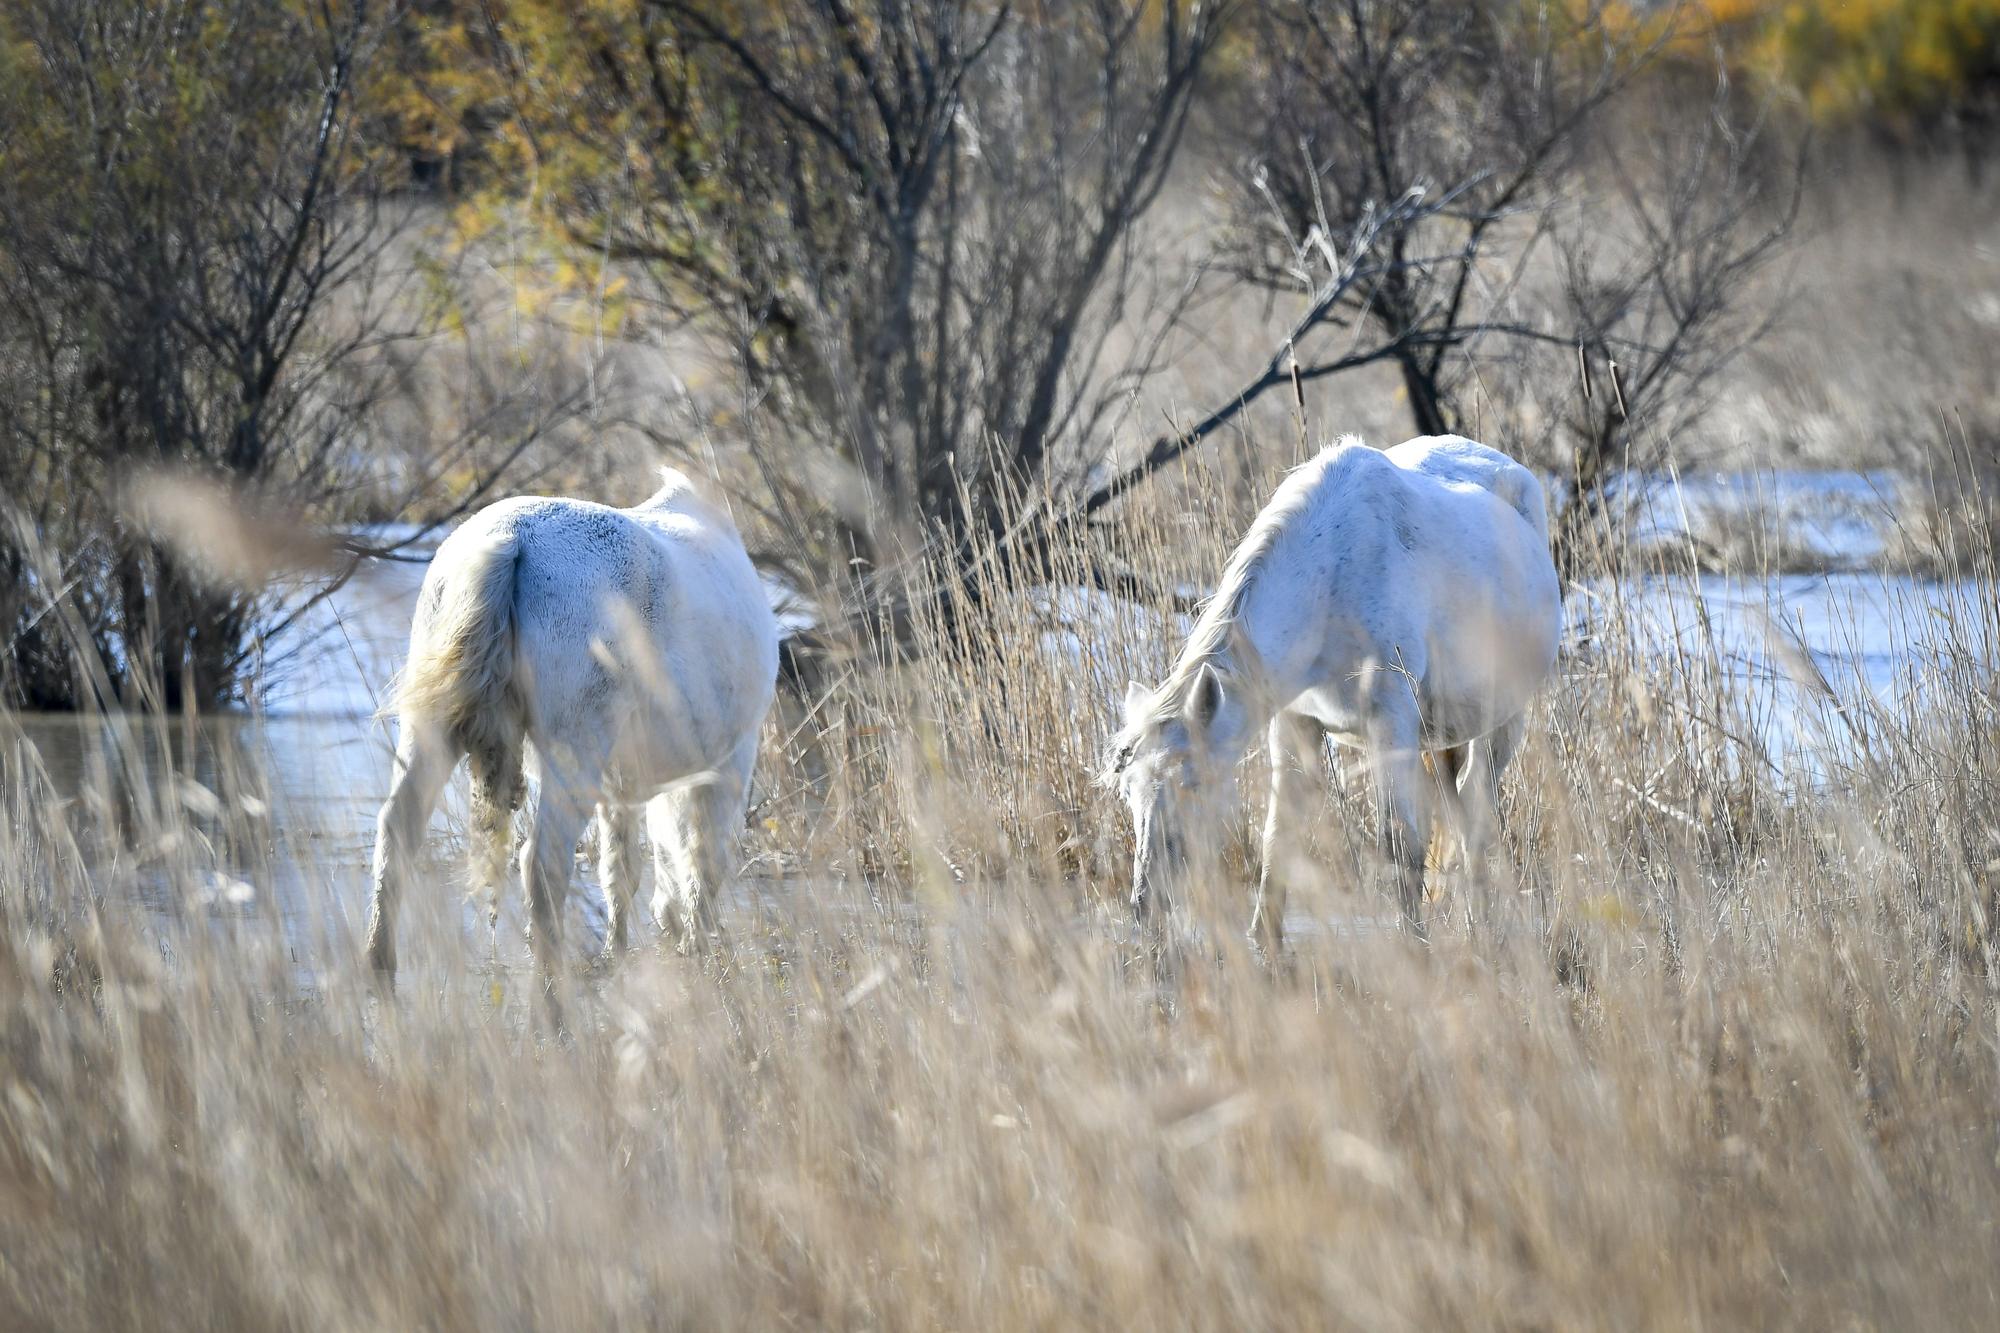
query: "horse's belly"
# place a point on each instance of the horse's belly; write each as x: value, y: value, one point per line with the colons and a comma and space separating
x: 706, y: 702
x: 660, y: 746
x: 1487, y: 677
x: 1455, y: 719
x: 650, y: 756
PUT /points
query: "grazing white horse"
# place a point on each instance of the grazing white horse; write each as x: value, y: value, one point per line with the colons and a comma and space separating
x: 1400, y: 601
x: 635, y: 651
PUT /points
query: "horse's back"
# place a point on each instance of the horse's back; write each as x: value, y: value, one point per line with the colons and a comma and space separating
x: 1433, y: 554
x: 590, y: 566
x: 1434, y: 490
x: 1456, y: 462
x: 622, y: 608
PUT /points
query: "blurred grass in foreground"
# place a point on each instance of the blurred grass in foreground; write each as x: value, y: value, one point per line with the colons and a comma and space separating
x: 1713, y: 1047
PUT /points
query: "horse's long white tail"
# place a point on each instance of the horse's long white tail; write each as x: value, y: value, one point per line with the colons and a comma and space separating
x: 461, y: 670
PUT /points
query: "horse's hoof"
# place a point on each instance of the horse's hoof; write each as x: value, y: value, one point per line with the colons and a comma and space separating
x: 557, y: 1028
x: 551, y: 1003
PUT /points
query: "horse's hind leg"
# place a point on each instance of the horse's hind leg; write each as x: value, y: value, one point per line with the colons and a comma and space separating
x: 694, y: 831
x: 569, y: 791
x: 617, y: 868
x: 424, y: 760
x: 496, y: 793
x: 1479, y: 788
x: 559, y: 821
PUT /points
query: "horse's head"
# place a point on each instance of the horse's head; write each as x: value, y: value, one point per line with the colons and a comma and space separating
x: 1174, y: 763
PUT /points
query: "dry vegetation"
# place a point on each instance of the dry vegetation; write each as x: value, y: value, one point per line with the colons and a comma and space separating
x: 1713, y: 1046
x: 1714, y: 1041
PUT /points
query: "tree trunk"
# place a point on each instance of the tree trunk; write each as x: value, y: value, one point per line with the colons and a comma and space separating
x: 1427, y: 409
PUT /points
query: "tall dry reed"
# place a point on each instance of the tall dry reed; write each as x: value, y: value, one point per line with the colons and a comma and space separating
x: 1714, y: 1045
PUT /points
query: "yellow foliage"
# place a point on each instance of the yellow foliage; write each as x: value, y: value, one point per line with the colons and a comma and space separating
x: 1848, y: 59
x: 1883, y: 57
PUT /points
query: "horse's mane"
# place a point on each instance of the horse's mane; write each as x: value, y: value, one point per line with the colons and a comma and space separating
x: 1213, y: 640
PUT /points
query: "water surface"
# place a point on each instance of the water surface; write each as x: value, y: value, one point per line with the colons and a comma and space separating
x: 302, y: 775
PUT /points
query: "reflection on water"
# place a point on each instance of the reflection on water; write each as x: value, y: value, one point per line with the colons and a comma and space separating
x: 235, y: 819
x: 219, y: 819
x: 319, y: 776
x: 280, y: 805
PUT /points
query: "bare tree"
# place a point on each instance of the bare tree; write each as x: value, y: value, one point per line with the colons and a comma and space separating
x: 195, y: 280
x: 1507, y: 120
x: 1350, y: 104
x: 915, y: 224
x: 911, y: 220
x: 1657, y: 279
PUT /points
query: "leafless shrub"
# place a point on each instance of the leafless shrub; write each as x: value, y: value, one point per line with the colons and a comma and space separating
x: 198, y: 276
x: 1348, y: 105
x: 1659, y: 281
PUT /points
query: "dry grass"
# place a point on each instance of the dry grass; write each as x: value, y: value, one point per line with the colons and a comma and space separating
x: 1713, y: 1047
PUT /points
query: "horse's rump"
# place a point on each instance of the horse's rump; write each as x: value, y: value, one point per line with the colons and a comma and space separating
x: 460, y: 675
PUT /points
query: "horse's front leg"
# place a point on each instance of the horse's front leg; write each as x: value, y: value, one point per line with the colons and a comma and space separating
x: 694, y: 830
x: 1454, y: 819
x: 1403, y: 808
x: 1297, y: 746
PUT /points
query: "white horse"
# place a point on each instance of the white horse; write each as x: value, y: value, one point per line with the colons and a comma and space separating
x: 1401, y: 601
x: 635, y: 650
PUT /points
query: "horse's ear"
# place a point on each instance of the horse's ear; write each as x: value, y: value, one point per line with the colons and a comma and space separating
x: 1137, y: 696
x: 1204, y: 698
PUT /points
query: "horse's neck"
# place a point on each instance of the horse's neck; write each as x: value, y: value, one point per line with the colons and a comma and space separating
x: 1241, y: 667
x: 1264, y: 642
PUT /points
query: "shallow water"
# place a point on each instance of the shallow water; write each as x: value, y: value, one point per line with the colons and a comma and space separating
x: 257, y: 822
x: 1810, y: 657
x: 226, y: 821
x: 1798, y: 648
x: 1836, y: 520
